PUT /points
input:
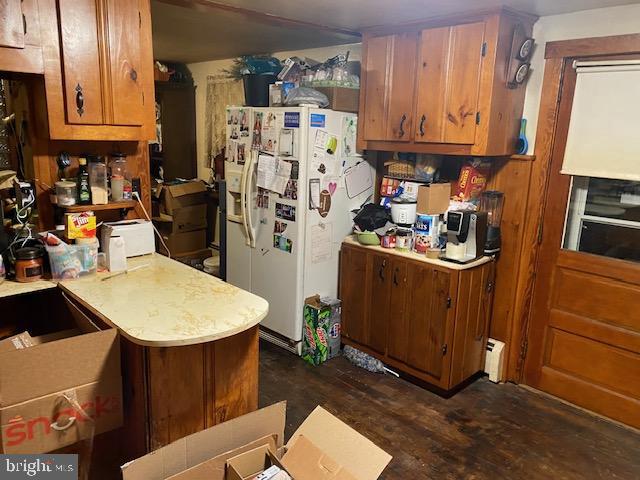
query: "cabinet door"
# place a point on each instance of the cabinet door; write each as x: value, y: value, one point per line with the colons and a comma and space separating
x: 463, y: 84
x: 81, y: 61
x: 389, y: 87
x: 401, y: 88
x: 353, y: 281
x: 433, y: 63
x: 11, y: 24
x: 379, y: 302
x: 398, y: 337
x: 125, y: 91
x: 427, y: 310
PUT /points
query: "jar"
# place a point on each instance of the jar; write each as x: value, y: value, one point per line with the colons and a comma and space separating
x: 98, y: 181
x: 404, y: 239
x: 66, y: 193
x: 119, y: 178
x: 29, y: 262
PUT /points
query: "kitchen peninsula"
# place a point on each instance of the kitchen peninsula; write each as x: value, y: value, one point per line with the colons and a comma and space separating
x: 189, y: 345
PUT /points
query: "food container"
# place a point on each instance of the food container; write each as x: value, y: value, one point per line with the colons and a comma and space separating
x: 422, y: 241
x: 389, y: 240
x: 66, y: 193
x: 403, y: 212
x: 368, y: 238
x: 434, y: 253
x: 71, y: 261
x: 29, y: 262
x: 404, y: 239
x: 98, y: 181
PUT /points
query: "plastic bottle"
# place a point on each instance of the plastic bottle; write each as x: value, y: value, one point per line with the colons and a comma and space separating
x: 84, y: 191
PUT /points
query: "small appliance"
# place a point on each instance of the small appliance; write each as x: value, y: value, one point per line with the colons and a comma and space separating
x: 403, y: 212
x: 466, y: 235
x: 492, y: 202
x: 137, y: 234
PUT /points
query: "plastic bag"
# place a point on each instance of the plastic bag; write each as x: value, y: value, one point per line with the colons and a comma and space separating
x: 302, y: 95
x: 371, y: 217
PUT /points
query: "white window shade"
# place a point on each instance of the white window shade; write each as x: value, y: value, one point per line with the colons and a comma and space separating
x: 604, y: 129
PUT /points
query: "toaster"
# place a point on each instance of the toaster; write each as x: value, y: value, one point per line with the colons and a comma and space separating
x: 137, y: 235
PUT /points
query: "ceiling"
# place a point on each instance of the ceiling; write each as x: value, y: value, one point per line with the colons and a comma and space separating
x: 198, y: 32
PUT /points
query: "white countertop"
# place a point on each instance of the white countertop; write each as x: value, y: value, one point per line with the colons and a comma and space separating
x: 351, y: 240
x: 9, y: 288
x: 167, y: 303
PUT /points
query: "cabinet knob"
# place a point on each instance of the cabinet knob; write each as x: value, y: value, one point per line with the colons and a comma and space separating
x: 79, y: 100
x: 381, y: 270
x: 422, y: 120
x: 395, y: 276
x: 133, y: 74
x: 402, y: 120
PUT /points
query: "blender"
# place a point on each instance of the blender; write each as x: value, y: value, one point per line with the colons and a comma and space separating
x: 492, y: 202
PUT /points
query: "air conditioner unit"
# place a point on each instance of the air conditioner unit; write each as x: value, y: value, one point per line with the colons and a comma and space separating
x: 494, y: 362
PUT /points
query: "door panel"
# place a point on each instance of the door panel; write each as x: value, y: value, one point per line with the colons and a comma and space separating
x: 123, y: 25
x: 463, y: 84
x: 401, y: 88
x: 432, y: 69
x: 11, y: 26
x: 376, y: 64
x: 427, y: 316
x: 398, y: 337
x: 378, y: 312
x: 81, y: 61
x: 353, y: 277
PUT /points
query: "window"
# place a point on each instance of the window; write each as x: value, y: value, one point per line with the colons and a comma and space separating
x: 603, y: 218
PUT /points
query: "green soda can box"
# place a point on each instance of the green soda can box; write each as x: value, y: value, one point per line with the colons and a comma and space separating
x: 321, y: 332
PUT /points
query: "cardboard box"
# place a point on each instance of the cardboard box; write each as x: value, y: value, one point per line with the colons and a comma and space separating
x: 184, y: 219
x: 62, y: 388
x: 173, y: 197
x: 342, y: 99
x: 250, y: 464
x: 180, y: 243
x: 330, y: 448
x: 321, y: 333
x: 433, y: 199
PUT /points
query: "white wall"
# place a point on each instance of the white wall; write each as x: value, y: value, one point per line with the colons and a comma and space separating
x: 588, y: 23
x: 201, y: 70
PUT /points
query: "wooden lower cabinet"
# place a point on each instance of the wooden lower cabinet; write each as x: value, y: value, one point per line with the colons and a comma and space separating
x: 423, y: 319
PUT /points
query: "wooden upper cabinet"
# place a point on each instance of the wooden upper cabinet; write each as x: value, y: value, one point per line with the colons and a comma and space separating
x: 11, y: 24
x: 390, y: 63
x: 20, y: 44
x: 126, y: 93
x: 81, y: 61
x: 447, y: 81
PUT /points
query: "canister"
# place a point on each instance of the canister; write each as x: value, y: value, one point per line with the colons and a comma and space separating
x: 29, y: 262
x: 404, y: 239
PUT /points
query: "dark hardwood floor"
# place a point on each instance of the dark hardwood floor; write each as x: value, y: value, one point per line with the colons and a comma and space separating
x: 485, y: 431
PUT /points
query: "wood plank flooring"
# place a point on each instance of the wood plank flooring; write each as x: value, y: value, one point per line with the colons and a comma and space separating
x: 485, y: 431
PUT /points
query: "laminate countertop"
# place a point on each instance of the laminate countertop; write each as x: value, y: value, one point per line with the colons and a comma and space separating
x: 351, y: 240
x: 9, y: 288
x: 166, y: 303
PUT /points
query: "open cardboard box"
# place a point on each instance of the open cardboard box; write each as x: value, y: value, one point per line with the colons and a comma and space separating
x: 323, y: 447
x: 58, y: 389
x: 181, y: 195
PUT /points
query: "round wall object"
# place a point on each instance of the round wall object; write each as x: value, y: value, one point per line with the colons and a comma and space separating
x: 525, y: 49
x: 521, y: 74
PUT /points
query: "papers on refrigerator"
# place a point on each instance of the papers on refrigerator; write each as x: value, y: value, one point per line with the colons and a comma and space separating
x: 321, y: 245
x: 273, y: 173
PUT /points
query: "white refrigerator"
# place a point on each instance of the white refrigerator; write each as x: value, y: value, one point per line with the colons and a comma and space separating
x: 293, y: 178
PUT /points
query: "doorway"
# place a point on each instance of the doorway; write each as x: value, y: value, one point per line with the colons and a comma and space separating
x: 584, y: 328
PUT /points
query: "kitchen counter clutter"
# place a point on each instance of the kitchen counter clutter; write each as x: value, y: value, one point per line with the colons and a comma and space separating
x: 164, y: 303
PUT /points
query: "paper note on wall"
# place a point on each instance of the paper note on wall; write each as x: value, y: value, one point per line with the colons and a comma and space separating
x: 321, y: 243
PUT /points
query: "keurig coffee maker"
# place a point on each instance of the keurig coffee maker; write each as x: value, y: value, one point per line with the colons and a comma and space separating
x: 492, y: 202
x: 466, y: 235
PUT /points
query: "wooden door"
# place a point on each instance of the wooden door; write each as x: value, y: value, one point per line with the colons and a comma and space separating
x: 378, y: 312
x: 390, y: 77
x: 463, y: 82
x: 353, y: 286
x: 124, y: 21
x: 398, y: 330
x: 11, y: 24
x: 584, y: 336
x: 427, y: 312
x: 432, y: 74
x: 81, y: 61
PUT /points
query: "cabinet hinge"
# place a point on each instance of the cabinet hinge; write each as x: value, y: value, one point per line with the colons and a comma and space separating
x: 448, y: 302
x: 444, y: 349
x: 477, y: 118
x: 483, y: 49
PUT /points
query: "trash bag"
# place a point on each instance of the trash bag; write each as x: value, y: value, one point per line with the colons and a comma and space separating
x: 302, y: 95
x: 371, y: 217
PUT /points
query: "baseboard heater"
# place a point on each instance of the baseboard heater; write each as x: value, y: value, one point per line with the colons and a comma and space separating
x: 494, y: 362
x: 280, y: 341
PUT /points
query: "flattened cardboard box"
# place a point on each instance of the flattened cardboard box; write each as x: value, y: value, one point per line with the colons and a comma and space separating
x: 43, y: 387
x: 173, y: 197
x: 327, y: 440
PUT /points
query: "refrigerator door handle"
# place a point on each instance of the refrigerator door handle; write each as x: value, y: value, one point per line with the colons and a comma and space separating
x: 243, y: 200
x: 247, y: 214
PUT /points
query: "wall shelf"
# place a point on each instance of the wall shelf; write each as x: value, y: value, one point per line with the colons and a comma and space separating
x: 121, y: 205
